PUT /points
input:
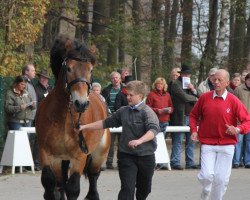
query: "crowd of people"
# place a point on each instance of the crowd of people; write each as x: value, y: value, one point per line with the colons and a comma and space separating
x: 22, y: 100
x: 218, y: 105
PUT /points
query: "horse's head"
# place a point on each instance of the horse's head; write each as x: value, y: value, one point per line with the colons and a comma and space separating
x: 76, y: 68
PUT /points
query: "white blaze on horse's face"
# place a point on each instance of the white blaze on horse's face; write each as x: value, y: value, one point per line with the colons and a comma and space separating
x: 79, y: 80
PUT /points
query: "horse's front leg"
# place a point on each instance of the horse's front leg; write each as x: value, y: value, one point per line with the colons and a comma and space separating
x: 98, y: 156
x: 72, y: 187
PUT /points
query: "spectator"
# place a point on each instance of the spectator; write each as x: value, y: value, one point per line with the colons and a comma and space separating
x: 173, y: 76
x: 18, y: 105
x: 97, y: 88
x: 183, y: 100
x: 136, y: 160
x: 243, y: 93
x: 159, y: 100
x: 124, y: 73
x: 243, y: 76
x: 42, y: 87
x: 121, y: 98
x: 235, y: 81
x: 29, y: 72
x: 110, y: 93
x: 217, y: 113
x: 207, y: 85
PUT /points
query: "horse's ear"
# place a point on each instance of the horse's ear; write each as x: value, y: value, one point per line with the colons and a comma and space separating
x: 93, y: 49
x: 68, y: 44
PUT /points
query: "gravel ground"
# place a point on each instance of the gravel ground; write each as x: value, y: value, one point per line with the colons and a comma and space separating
x: 170, y: 185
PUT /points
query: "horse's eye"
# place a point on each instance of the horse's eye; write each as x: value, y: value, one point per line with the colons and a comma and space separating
x: 68, y: 69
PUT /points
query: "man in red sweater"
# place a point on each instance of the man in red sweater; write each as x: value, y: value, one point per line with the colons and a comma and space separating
x: 217, y: 113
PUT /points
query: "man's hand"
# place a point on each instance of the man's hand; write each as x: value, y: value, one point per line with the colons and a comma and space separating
x: 194, y: 137
x: 231, y: 130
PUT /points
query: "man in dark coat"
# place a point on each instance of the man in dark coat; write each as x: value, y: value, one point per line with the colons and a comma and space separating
x: 184, y: 96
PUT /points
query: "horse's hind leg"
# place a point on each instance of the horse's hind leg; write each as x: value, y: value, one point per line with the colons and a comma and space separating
x: 49, y: 183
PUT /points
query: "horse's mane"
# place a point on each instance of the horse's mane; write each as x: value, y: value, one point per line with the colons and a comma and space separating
x: 64, y: 48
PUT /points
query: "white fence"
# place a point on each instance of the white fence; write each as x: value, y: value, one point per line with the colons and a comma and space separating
x: 15, y: 145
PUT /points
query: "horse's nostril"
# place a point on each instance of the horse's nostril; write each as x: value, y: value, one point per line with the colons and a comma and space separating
x: 77, y: 103
x: 81, y: 107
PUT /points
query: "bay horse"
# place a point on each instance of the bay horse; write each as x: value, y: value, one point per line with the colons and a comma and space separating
x: 64, y: 155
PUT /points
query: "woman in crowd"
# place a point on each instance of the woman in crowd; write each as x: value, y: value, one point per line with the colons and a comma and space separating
x: 18, y: 105
x: 235, y: 81
x: 159, y: 100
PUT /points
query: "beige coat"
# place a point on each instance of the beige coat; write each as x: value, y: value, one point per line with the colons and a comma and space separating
x: 244, y: 95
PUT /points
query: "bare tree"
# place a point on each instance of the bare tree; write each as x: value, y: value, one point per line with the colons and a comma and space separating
x: 186, y: 47
x: 223, y: 30
x: 209, y: 53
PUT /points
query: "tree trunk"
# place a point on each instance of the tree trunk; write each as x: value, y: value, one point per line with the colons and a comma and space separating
x: 66, y: 28
x: 136, y: 13
x: 209, y: 53
x: 223, y: 29
x: 169, y: 37
x: 186, y: 47
x: 156, y: 69
x: 238, y: 61
x: 121, y: 47
x: 83, y: 30
x: 112, y: 58
x: 100, y: 20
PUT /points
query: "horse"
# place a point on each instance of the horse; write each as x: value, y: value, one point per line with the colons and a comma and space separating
x: 64, y: 154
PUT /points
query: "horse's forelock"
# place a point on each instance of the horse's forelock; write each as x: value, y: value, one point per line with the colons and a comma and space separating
x: 65, y: 48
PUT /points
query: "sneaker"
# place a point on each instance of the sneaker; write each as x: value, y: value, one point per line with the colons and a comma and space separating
x: 235, y: 166
x: 247, y: 166
x: 192, y: 167
x: 177, y: 167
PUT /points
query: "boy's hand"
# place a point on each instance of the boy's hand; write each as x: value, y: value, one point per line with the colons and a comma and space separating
x: 134, y: 143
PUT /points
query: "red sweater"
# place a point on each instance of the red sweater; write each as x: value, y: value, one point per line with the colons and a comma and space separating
x: 211, y: 115
x: 157, y: 101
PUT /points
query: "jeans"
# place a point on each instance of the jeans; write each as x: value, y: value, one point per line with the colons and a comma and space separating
x: 135, y: 171
x: 18, y: 125
x: 177, y: 139
x: 111, y: 153
x: 238, y: 152
x: 163, y: 126
x: 247, y: 149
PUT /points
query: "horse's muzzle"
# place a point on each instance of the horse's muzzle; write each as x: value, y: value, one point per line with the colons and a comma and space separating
x: 81, y: 107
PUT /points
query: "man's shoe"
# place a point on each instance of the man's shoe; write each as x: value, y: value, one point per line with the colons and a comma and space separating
x: 235, y: 166
x: 247, y: 166
x: 110, y: 167
x: 177, y: 167
x: 192, y: 167
x: 37, y: 168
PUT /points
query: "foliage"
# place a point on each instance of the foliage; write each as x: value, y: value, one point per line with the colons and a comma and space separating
x: 23, y: 24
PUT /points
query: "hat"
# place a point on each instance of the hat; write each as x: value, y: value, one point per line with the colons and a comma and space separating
x: 44, y: 73
x: 185, y: 69
x: 128, y: 79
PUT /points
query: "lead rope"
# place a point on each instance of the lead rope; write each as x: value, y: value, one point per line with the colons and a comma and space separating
x: 82, y: 141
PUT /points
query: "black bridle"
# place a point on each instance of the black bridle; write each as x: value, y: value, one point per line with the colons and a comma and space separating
x: 79, y: 79
x: 82, y: 142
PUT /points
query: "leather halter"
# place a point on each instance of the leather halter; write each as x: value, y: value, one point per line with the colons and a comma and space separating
x: 80, y: 79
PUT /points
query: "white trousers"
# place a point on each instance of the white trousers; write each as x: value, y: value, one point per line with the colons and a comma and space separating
x: 216, y: 165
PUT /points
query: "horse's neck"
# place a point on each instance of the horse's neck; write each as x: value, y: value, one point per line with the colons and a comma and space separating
x: 61, y: 94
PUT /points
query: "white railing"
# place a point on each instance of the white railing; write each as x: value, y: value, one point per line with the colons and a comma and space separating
x: 119, y: 129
